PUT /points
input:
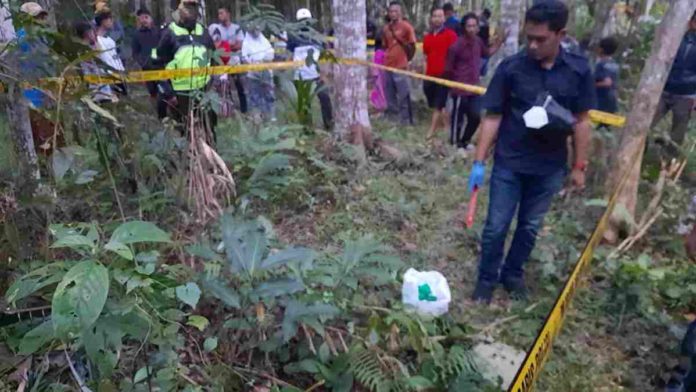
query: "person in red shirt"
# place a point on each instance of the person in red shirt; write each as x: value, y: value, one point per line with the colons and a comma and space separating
x: 464, y: 65
x: 397, y: 36
x: 435, y: 46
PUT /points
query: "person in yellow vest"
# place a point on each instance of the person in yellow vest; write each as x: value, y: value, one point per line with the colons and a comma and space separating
x: 186, y: 44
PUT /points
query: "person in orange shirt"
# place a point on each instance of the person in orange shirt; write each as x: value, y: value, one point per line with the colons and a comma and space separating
x: 399, y: 41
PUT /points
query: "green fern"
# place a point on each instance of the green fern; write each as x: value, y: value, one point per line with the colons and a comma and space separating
x: 443, y: 366
x: 367, y: 369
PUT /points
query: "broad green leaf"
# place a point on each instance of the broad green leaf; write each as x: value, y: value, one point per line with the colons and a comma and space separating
x: 147, y: 261
x: 35, y: 281
x: 303, y: 366
x: 33, y: 340
x: 142, y: 373
x: 120, y: 249
x: 139, y: 231
x: 79, y: 297
x: 219, y: 290
x: 198, y: 322
x: 277, y: 288
x: 75, y: 241
x: 61, y: 161
x: 85, y: 177
x: 210, y: 344
x: 245, y: 243
x: 268, y: 165
x: 189, y: 294
x: 419, y: 383
x: 204, y: 252
x: 285, y: 256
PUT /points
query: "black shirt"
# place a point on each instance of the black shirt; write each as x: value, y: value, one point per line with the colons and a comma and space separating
x: 515, y: 88
x: 606, y: 96
x: 145, y: 40
x: 682, y: 77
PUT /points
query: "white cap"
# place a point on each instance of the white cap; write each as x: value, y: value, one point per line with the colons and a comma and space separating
x: 33, y: 9
x: 303, y: 13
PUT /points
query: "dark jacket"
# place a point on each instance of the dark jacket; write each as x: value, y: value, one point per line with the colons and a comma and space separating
x: 144, y: 41
x: 682, y: 77
x: 463, y: 62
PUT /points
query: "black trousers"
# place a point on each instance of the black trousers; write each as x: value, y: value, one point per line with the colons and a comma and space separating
x: 184, y: 103
x: 325, y: 104
x: 469, y: 106
x: 240, y: 93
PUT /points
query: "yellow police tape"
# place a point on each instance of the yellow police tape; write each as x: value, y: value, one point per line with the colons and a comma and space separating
x: 537, y: 355
x: 151, y: 76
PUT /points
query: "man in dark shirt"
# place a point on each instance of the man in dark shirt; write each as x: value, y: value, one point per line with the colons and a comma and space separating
x: 485, y: 35
x: 607, y: 75
x: 679, y: 95
x: 144, y: 46
x: 530, y: 164
x: 451, y: 20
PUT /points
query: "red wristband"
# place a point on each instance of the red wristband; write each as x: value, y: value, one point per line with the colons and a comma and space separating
x: 582, y: 166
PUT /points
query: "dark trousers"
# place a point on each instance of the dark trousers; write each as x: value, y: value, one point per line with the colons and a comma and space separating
x: 398, y: 94
x: 529, y: 195
x: 681, y: 108
x: 184, y: 104
x: 464, y: 106
x: 239, y: 85
x: 325, y: 103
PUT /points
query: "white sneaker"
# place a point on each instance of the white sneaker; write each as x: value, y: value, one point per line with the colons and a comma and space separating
x: 470, y: 148
x: 462, y: 152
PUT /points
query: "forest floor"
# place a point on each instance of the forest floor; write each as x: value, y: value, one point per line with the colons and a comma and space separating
x: 418, y: 205
x: 622, y: 331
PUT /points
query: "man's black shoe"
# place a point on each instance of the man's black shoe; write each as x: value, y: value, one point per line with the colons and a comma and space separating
x: 516, y: 288
x: 483, y: 292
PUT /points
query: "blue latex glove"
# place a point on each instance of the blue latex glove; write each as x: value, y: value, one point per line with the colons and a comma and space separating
x: 477, y: 176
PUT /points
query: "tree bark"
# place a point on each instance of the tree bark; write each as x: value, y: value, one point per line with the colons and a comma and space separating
x: 510, y: 17
x: 601, y: 17
x: 644, y: 104
x: 570, y: 26
x: 350, y: 81
x: 23, y: 141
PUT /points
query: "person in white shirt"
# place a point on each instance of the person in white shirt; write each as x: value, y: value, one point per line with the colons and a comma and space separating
x: 108, y: 53
x: 257, y: 49
x: 232, y: 34
x: 301, y: 45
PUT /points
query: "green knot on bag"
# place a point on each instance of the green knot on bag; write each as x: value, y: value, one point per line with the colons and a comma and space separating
x: 425, y: 293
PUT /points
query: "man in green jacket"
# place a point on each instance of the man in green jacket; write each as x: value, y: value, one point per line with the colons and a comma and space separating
x: 186, y: 44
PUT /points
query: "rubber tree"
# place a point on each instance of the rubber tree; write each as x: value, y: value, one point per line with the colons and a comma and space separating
x: 22, y: 139
x: 510, y: 20
x: 602, y: 15
x: 643, y: 106
x: 350, y: 81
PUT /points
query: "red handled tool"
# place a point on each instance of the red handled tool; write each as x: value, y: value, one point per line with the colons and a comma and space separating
x: 471, y: 208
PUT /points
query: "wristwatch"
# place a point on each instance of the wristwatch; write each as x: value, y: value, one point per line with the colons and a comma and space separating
x: 582, y: 166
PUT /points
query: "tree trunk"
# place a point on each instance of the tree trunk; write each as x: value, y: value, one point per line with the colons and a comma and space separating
x: 570, y: 26
x: 644, y: 104
x: 601, y: 17
x: 20, y: 132
x: 350, y: 81
x: 510, y: 16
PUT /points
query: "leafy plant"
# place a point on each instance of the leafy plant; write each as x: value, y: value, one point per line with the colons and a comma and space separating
x: 114, y: 293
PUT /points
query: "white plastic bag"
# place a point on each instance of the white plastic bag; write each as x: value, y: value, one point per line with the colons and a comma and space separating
x: 426, y: 292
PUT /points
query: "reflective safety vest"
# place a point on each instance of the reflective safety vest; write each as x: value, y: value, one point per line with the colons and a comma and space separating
x: 190, y: 52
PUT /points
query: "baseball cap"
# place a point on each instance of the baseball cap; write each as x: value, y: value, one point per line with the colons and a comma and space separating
x: 33, y: 9
x: 303, y: 13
